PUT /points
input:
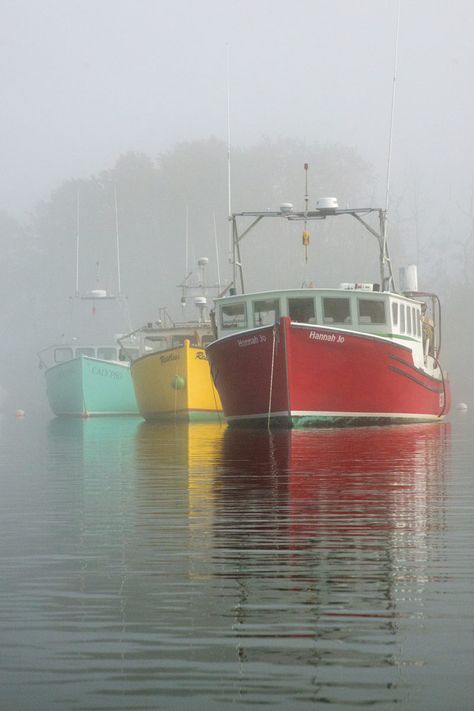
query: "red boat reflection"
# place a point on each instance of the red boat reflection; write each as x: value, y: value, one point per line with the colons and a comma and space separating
x: 356, y: 479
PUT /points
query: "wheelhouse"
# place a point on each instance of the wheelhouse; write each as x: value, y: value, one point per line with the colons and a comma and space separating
x: 154, y: 338
x: 55, y: 355
x: 350, y: 308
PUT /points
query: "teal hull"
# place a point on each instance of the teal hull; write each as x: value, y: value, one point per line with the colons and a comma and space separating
x: 88, y: 386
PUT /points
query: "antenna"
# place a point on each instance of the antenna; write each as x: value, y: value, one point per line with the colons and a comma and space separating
x: 78, y: 197
x: 186, y: 259
x: 217, y: 251
x: 186, y: 242
x: 389, y: 157
x: 306, y: 201
x: 229, y: 187
x: 385, y: 257
x: 117, y: 243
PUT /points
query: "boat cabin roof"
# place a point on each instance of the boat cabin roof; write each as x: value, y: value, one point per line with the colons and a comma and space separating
x: 154, y: 337
x: 61, y: 353
x: 354, y: 307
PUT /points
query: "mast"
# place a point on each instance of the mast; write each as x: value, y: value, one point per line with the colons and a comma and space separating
x: 217, y: 251
x: 389, y: 281
x: 77, y: 237
x: 117, y: 242
x: 306, y: 204
x: 186, y: 243
x: 232, y: 245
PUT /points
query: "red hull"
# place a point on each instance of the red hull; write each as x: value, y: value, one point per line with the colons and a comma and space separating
x: 307, y: 375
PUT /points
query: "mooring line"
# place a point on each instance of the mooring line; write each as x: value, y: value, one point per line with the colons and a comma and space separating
x: 271, y: 380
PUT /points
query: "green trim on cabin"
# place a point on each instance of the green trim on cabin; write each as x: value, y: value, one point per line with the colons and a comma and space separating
x: 398, y: 336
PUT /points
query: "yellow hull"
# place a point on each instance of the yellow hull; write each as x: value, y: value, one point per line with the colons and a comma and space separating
x: 175, y: 384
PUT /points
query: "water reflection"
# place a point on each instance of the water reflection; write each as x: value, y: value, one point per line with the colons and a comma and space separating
x: 360, y: 480
x: 328, y: 535
x: 93, y: 440
x: 178, y: 454
x: 189, y: 564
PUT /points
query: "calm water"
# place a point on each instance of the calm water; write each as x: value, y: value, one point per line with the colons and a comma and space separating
x: 193, y: 567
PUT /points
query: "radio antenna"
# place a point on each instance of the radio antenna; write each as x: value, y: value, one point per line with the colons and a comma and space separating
x: 389, y: 156
x: 306, y: 204
x: 229, y: 188
x: 217, y: 252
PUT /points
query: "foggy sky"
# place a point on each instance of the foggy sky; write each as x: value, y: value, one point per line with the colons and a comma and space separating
x: 83, y: 81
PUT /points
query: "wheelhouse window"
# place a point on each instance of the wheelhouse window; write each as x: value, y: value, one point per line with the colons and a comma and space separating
x: 128, y: 354
x: 234, y: 315
x: 61, y: 355
x: 301, y: 310
x: 156, y: 343
x: 418, y: 323
x: 408, y: 319
x: 336, y: 310
x: 85, y: 351
x: 415, y: 321
x: 402, y: 318
x: 265, y: 312
x: 107, y: 353
x: 371, y: 310
x: 395, y: 313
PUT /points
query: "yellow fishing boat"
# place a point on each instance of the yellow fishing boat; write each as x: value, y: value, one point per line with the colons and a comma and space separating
x: 176, y: 383
x: 169, y: 367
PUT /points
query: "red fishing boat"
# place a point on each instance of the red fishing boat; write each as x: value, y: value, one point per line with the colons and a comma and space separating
x: 357, y: 354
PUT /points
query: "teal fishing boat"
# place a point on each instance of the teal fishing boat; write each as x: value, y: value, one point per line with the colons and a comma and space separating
x: 83, y: 376
x: 87, y: 380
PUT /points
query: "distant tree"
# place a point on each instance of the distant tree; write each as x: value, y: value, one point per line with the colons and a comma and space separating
x: 153, y: 197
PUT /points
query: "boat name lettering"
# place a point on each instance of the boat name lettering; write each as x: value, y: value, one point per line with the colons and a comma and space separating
x: 200, y: 355
x: 167, y: 358
x: 251, y: 341
x: 331, y: 337
x: 106, y: 373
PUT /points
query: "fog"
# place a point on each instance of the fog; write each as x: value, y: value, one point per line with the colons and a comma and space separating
x: 84, y: 84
